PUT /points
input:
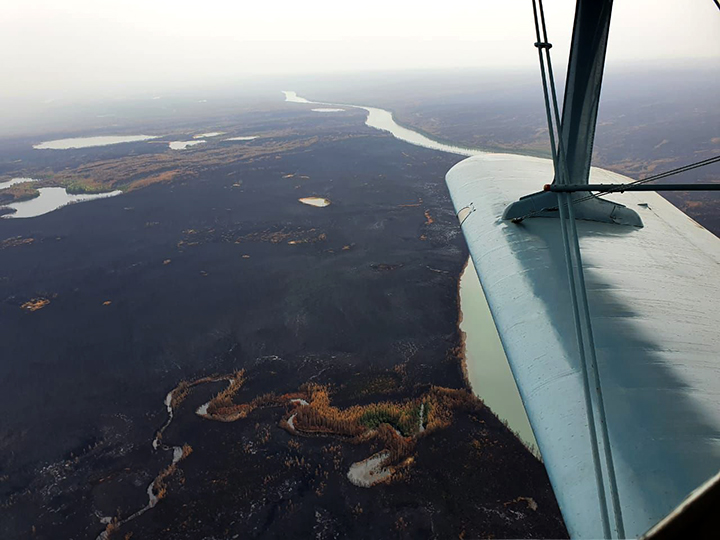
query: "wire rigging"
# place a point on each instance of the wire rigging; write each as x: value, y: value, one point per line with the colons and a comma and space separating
x: 659, y: 176
x: 578, y: 292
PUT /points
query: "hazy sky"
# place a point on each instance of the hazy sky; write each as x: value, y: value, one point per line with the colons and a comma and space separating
x: 51, y: 47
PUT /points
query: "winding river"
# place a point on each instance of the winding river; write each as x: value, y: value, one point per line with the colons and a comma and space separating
x: 384, y: 121
x: 488, y: 370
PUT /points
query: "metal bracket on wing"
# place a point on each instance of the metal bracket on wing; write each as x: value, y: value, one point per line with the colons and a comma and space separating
x: 545, y: 204
x: 465, y: 212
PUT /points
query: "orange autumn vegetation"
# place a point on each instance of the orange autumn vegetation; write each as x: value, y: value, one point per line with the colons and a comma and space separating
x: 35, y: 304
x: 160, y: 484
x: 395, y: 425
x: 222, y: 408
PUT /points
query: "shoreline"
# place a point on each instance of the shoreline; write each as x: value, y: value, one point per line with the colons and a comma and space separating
x: 462, y: 356
x: 484, y: 362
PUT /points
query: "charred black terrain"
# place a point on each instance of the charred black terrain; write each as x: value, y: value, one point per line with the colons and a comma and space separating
x: 107, y: 306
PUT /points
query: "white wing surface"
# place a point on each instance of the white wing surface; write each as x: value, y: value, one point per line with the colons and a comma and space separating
x: 654, y: 294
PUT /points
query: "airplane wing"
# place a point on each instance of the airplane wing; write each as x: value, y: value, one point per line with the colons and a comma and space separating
x: 653, y: 294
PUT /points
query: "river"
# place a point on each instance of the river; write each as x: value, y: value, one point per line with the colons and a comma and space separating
x: 488, y: 370
x: 384, y: 121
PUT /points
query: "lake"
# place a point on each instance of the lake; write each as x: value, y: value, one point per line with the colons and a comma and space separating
x: 87, y: 142
x: 50, y: 199
x: 182, y: 145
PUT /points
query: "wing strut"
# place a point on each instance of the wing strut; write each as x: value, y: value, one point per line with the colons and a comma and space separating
x: 583, y: 85
x: 576, y: 131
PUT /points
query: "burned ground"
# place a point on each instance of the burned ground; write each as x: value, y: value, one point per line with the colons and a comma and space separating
x: 222, y: 269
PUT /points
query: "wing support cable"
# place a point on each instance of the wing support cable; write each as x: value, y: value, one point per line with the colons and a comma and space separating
x: 578, y: 292
x: 637, y: 185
